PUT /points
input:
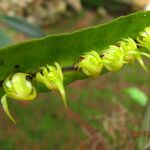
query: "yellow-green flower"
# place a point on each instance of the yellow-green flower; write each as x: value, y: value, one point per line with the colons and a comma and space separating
x: 52, y: 77
x: 144, y: 38
x: 128, y: 45
x: 113, y: 58
x: 91, y: 64
x: 19, y: 88
x: 131, y: 52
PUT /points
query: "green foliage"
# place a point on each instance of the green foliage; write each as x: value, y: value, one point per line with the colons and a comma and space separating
x: 22, y: 26
x: 93, y: 3
x: 137, y: 95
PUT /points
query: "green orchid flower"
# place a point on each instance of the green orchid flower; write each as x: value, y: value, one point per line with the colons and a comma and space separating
x: 144, y: 38
x: 19, y: 88
x: 131, y: 52
x: 52, y: 77
x: 113, y: 58
x: 91, y: 64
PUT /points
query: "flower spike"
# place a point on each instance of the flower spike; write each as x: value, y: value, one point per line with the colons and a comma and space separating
x: 19, y: 88
x: 91, y: 64
x: 52, y: 77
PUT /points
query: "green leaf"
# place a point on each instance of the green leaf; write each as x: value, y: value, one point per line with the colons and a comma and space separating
x: 67, y: 48
x: 22, y: 26
x: 137, y: 95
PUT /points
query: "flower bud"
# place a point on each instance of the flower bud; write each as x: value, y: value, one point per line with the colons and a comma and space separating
x: 52, y: 77
x: 91, y: 64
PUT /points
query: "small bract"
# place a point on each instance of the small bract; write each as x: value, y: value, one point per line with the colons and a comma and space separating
x: 52, y: 77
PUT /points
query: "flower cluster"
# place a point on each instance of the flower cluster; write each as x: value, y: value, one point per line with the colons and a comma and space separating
x: 112, y: 59
x: 91, y: 64
x: 19, y: 88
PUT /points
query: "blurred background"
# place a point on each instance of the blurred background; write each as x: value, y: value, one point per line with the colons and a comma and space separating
x: 104, y: 113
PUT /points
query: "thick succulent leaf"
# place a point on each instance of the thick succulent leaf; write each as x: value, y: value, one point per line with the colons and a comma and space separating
x: 67, y: 48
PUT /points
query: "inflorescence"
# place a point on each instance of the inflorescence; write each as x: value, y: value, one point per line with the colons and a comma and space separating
x: 112, y: 59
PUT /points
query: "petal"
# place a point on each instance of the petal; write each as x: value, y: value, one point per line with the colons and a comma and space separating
x: 62, y: 92
x: 59, y: 70
x: 141, y: 62
x: 6, y: 109
x: 21, y: 85
x: 145, y: 54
